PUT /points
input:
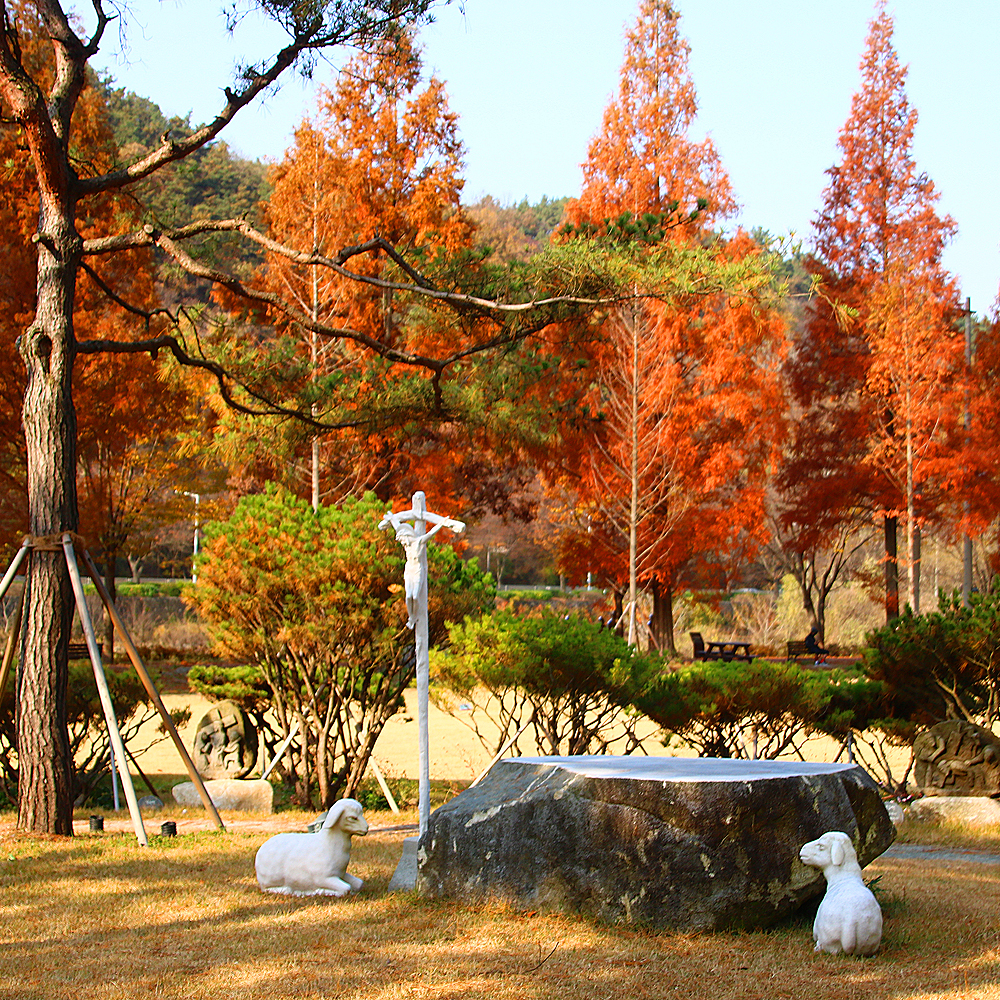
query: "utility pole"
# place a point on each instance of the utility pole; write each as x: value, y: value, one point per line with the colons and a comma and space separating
x: 967, y: 540
x: 197, y: 513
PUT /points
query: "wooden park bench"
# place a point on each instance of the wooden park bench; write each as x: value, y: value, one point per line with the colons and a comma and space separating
x: 797, y: 648
x: 79, y: 651
x: 727, y: 649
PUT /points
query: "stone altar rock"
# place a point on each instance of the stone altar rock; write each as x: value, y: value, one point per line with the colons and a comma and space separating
x: 225, y: 743
x: 976, y: 810
x: 250, y: 795
x: 683, y: 843
x: 957, y: 758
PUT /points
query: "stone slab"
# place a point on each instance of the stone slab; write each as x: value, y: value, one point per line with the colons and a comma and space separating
x: 973, y: 809
x: 404, y: 878
x: 683, y: 843
x: 237, y: 795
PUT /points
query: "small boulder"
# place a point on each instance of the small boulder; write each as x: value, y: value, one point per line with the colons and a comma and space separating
x: 682, y: 843
x: 251, y: 795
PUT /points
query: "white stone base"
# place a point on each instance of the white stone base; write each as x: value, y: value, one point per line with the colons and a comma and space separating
x: 973, y: 809
x: 241, y: 795
x: 404, y: 879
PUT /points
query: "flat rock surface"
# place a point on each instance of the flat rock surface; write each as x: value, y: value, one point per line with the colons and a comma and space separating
x: 242, y: 794
x: 693, y: 844
x: 698, y: 769
x: 976, y: 810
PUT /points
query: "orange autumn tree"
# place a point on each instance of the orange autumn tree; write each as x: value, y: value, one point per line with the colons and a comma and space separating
x: 17, y: 288
x: 381, y: 158
x: 876, y: 373
x: 686, y: 389
x: 974, y: 480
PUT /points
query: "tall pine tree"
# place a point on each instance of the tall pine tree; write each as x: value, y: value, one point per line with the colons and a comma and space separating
x: 381, y: 158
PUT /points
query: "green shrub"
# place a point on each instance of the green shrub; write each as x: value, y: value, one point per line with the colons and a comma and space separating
x: 574, y: 683
x: 941, y: 665
x: 313, y: 600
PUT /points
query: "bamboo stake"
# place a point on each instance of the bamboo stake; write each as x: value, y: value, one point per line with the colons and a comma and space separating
x: 8, y: 577
x: 280, y: 752
x: 373, y: 764
x: 8, y: 653
x: 147, y: 683
x: 500, y: 753
x: 103, y: 690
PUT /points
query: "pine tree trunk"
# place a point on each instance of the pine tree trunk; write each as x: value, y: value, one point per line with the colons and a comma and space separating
x: 45, y: 780
x: 891, y: 570
x: 662, y: 629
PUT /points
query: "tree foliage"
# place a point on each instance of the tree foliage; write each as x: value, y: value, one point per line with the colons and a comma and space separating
x: 44, y: 56
x: 642, y: 159
x: 758, y: 710
x: 312, y: 599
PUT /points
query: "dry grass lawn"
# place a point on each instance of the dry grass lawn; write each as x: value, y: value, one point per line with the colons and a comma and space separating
x: 99, y: 917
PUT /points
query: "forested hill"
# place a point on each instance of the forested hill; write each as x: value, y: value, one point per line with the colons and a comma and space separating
x: 215, y: 183
x: 211, y: 183
x: 515, y: 232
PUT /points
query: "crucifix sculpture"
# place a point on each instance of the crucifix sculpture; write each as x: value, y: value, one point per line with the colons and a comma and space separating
x: 412, y: 534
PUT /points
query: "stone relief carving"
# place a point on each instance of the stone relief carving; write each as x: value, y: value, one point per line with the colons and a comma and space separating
x: 225, y: 744
x: 957, y: 758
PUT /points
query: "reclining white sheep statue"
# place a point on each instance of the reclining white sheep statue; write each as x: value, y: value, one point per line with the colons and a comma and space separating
x: 314, y: 864
x: 849, y: 919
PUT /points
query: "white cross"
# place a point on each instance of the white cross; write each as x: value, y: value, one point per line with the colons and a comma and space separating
x: 413, y: 537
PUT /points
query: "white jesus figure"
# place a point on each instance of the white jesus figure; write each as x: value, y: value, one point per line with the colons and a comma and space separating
x: 415, y: 570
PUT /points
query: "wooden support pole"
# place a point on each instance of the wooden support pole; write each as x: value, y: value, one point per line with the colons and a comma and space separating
x: 104, y: 692
x: 12, y: 635
x: 15, y: 565
x: 147, y: 683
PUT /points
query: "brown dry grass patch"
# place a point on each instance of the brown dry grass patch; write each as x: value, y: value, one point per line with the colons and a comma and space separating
x: 99, y: 917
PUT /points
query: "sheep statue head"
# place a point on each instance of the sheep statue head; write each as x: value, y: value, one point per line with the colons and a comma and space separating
x: 314, y: 864
x: 849, y: 919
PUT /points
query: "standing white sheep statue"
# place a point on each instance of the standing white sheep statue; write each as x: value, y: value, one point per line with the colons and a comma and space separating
x: 314, y: 864
x: 849, y: 919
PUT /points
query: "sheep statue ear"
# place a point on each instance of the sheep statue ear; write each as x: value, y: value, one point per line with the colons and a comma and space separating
x: 837, y: 852
x: 333, y: 816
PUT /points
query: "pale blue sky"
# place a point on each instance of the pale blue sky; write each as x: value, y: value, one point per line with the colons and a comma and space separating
x: 530, y: 79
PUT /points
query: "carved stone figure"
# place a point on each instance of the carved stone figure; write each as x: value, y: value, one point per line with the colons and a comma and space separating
x: 957, y: 758
x: 849, y: 919
x: 225, y: 744
x: 314, y: 864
